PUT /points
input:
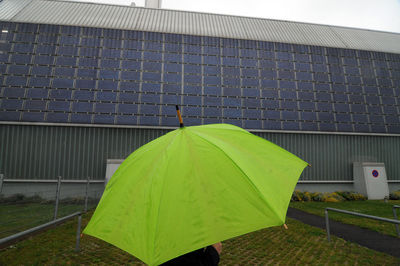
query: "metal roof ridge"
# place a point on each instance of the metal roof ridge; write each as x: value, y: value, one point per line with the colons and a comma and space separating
x: 217, y: 14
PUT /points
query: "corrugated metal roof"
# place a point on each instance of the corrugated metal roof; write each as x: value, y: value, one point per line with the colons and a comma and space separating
x: 192, y: 23
x: 8, y: 9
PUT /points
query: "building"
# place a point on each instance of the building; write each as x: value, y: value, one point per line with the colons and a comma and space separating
x: 82, y: 83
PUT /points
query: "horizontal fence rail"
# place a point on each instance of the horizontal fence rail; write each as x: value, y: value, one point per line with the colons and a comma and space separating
x: 396, y: 222
x: 21, y: 235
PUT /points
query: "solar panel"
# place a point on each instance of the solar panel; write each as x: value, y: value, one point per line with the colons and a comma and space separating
x: 90, y: 75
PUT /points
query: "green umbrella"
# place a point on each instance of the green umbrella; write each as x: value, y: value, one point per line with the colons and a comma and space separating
x: 193, y: 187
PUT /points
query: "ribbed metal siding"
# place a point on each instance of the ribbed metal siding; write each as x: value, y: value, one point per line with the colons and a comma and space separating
x: 44, y: 152
x: 332, y: 156
x: 193, y: 23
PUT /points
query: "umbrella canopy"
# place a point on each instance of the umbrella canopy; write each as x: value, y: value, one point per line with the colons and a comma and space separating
x: 193, y: 187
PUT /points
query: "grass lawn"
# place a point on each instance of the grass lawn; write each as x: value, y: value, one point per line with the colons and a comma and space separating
x: 301, y: 244
x: 371, y: 207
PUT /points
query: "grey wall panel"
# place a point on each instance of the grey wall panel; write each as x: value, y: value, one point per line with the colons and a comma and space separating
x: 331, y: 156
x: 35, y: 152
x: 44, y: 152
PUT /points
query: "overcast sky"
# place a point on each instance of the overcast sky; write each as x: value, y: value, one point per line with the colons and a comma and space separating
x: 381, y: 15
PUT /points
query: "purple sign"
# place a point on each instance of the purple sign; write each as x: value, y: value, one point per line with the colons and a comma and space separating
x: 375, y: 173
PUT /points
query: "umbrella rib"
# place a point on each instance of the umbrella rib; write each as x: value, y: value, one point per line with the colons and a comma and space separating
x: 162, y: 190
x: 241, y: 170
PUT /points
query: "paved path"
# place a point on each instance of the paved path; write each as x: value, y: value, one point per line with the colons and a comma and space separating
x: 364, y: 237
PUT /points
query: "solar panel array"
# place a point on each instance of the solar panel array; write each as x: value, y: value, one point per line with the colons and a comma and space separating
x: 68, y: 74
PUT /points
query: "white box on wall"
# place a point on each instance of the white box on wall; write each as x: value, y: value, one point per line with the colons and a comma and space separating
x: 112, y: 166
x: 370, y: 179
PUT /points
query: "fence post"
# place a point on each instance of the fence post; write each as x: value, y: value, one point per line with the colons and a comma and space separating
x: 328, y: 233
x: 78, y: 233
x: 395, y: 217
x: 57, y: 197
x: 87, y: 193
x: 1, y: 182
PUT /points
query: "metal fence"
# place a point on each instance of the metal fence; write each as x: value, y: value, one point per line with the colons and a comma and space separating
x: 382, y: 219
x: 395, y: 217
x: 26, y: 204
x: 6, y: 241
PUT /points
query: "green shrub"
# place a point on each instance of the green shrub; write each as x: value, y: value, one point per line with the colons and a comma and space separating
x: 395, y: 195
x: 327, y: 197
x: 358, y: 196
x: 330, y: 199
x: 351, y: 195
x: 20, y: 198
x: 307, y: 196
x: 334, y: 197
x: 317, y: 196
x: 297, y: 196
x: 13, y: 198
x: 347, y: 195
x: 76, y: 200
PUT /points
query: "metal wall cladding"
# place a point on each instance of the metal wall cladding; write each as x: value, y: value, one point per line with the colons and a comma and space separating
x: 44, y: 152
x: 332, y: 156
x: 193, y: 23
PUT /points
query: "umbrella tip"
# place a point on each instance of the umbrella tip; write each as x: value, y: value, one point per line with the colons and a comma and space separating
x: 179, y: 116
x: 286, y: 227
